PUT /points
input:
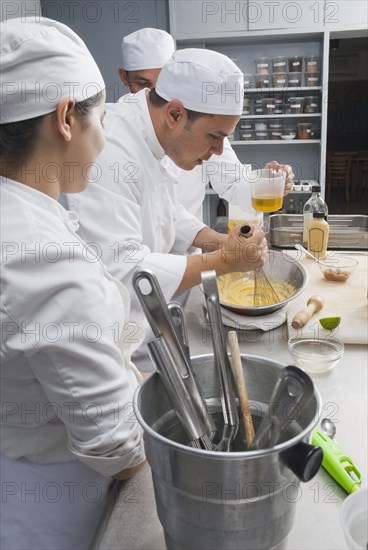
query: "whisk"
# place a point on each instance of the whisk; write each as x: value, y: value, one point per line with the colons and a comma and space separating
x: 264, y: 293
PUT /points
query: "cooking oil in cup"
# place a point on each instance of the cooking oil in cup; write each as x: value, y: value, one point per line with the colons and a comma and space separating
x: 267, y: 203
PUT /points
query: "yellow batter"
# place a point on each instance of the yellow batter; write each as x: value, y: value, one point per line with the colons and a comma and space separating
x: 238, y: 289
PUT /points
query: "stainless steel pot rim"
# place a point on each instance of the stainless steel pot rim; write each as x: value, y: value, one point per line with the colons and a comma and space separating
x: 233, y: 455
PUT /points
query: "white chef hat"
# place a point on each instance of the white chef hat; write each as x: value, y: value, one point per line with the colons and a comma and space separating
x: 146, y: 49
x: 41, y: 62
x: 204, y: 81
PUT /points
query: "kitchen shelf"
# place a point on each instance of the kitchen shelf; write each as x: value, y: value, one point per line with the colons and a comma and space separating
x: 282, y: 90
x: 301, y: 115
x: 276, y: 142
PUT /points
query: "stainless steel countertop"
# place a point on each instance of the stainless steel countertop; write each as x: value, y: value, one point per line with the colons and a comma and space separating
x: 133, y: 523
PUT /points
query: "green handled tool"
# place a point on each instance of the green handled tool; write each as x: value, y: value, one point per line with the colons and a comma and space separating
x: 337, y: 463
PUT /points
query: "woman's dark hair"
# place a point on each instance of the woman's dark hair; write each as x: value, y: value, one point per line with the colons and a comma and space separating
x: 158, y: 101
x: 17, y: 139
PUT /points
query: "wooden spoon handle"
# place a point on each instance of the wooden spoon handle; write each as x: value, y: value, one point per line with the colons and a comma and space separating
x: 242, y: 389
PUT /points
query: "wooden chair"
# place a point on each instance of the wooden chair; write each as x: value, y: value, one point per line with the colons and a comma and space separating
x: 338, y: 172
x: 360, y: 174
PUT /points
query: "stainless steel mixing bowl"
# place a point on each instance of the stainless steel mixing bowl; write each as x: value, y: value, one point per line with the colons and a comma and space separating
x: 281, y: 267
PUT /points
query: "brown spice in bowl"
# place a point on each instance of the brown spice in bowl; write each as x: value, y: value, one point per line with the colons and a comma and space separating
x: 332, y: 275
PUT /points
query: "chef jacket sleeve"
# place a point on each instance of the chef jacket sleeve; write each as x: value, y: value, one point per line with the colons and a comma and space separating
x: 229, y: 177
x: 74, y: 354
x: 111, y: 216
x: 187, y: 226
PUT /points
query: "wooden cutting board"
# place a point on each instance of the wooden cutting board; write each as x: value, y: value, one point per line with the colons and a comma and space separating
x: 346, y: 300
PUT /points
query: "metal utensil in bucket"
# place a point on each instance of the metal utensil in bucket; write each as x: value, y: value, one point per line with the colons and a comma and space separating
x: 218, y: 500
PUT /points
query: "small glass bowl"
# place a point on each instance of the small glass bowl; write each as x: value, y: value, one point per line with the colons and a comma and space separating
x: 337, y: 268
x: 315, y: 355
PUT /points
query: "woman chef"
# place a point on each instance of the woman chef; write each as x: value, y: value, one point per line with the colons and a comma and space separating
x: 67, y: 380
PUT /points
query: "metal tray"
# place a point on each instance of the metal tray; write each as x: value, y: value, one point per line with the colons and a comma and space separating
x: 346, y: 232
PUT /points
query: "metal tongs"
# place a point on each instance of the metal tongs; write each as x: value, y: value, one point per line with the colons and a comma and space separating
x: 222, y: 362
x: 170, y: 353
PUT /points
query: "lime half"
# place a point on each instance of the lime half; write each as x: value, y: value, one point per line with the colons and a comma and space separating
x: 330, y: 323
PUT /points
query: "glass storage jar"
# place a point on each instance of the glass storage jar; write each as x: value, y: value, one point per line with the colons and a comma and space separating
x: 312, y: 80
x: 261, y: 135
x: 263, y: 80
x: 269, y: 104
x: 295, y: 64
x: 304, y: 130
x: 263, y: 65
x: 246, y: 135
x: 311, y: 104
x: 249, y: 81
x: 279, y: 64
x: 312, y: 64
x: 295, y: 80
x: 279, y: 80
x: 296, y: 105
x: 261, y: 126
x: 275, y: 128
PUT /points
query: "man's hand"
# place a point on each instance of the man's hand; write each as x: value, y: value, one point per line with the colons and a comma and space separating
x: 244, y: 253
x: 289, y: 180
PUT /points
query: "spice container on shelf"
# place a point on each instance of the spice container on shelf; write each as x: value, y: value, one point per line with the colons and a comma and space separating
x: 263, y: 80
x: 310, y: 104
x: 263, y: 65
x: 246, y: 105
x: 296, y: 105
x: 275, y: 128
x: 304, y: 130
x: 279, y: 98
x: 279, y: 109
x: 258, y: 109
x: 315, y: 132
x: 279, y: 64
x: 295, y: 64
x: 312, y: 80
x: 269, y: 104
x: 261, y: 126
x: 279, y: 80
x: 246, y: 135
x: 295, y: 80
x: 245, y: 125
x: 248, y: 81
x: 261, y: 134
x: 318, y: 232
x: 312, y: 64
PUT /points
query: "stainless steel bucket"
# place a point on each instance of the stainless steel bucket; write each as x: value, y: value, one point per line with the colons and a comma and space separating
x: 238, y: 500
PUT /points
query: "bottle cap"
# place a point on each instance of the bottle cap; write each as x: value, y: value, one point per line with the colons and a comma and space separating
x: 316, y: 188
x: 318, y: 214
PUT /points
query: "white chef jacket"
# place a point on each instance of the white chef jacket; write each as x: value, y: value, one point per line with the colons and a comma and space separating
x: 228, y: 177
x: 65, y: 349
x: 67, y: 381
x: 130, y: 207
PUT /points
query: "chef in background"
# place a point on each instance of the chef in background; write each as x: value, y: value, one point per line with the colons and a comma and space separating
x: 67, y: 380
x: 130, y: 211
x: 144, y: 53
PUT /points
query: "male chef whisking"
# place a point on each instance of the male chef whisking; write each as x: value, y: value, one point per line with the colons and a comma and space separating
x: 130, y: 210
x: 144, y: 53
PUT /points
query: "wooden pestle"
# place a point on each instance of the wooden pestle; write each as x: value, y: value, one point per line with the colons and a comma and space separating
x: 314, y: 304
x: 241, y: 387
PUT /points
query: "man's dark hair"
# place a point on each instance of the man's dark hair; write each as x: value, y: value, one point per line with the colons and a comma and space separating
x: 158, y: 101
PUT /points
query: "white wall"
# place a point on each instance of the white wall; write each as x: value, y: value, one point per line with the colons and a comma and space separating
x: 19, y: 8
x: 103, y: 24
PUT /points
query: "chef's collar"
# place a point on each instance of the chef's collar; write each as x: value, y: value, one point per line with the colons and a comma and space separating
x: 149, y: 133
x: 33, y: 196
